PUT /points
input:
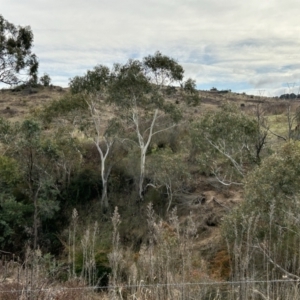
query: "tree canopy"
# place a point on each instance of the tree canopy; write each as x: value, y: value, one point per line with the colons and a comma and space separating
x: 139, y: 91
x: 16, y: 43
x: 225, y: 143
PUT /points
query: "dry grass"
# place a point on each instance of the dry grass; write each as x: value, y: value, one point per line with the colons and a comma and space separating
x: 32, y: 279
x: 186, y: 248
x: 16, y: 105
x: 22, y: 103
x: 167, y: 266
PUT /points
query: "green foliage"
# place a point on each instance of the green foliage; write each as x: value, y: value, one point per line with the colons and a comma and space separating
x: 34, y: 172
x: 221, y: 139
x: 275, y: 182
x: 191, y: 93
x: 138, y: 89
x: 121, y: 180
x: 9, y: 172
x: 92, y: 82
x: 45, y: 80
x: 63, y: 107
x: 37, y: 168
x: 15, y: 53
x: 164, y: 69
x: 129, y: 85
x: 84, y: 186
x: 31, y: 130
x: 12, y: 221
x: 145, y: 84
x: 142, y: 84
x: 47, y: 202
x: 6, y: 131
x: 167, y: 170
x: 271, y: 209
x: 174, y: 112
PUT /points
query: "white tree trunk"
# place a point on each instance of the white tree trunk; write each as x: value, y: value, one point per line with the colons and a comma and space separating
x: 144, y: 147
x: 103, y: 153
x: 104, y: 171
x: 142, y: 172
x: 104, y: 200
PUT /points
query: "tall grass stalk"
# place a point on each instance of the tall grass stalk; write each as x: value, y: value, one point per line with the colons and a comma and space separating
x: 115, y: 257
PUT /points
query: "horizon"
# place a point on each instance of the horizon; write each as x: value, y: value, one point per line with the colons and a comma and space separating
x: 245, y: 47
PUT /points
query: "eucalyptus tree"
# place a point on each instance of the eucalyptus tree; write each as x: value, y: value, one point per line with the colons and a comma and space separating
x: 105, y: 137
x: 168, y: 172
x: 37, y: 168
x: 93, y: 82
x: 138, y: 92
x: 16, y: 43
x: 93, y: 87
x: 12, y: 212
x: 139, y: 89
x: 226, y: 143
x: 36, y: 157
x: 102, y: 130
x: 47, y: 162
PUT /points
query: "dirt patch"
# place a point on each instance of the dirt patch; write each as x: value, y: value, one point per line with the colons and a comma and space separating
x: 11, y: 100
x: 208, y: 204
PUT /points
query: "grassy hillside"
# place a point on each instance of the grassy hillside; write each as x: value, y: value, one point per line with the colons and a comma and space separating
x: 160, y: 240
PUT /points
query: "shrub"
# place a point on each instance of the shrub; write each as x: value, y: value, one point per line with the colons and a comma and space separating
x: 62, y: 107
x: 45, y: 80
x: 266, y: 226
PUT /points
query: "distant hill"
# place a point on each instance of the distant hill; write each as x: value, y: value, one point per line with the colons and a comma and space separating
x: 289, y: 96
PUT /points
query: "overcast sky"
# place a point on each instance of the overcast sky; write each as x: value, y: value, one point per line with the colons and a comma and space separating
x: 246, y: 46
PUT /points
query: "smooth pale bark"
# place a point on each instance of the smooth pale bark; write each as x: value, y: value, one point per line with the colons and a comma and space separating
x: 105, y: 171
x: 144, y: 145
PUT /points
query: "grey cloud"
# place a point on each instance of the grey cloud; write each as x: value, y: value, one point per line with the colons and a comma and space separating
x: 252, y: 42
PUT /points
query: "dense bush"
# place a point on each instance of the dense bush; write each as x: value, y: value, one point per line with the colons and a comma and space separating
x: 63, y: 107
x: 225, y: 142
x: 267, y: 222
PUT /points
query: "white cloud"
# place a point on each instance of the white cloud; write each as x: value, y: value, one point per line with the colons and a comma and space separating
x: 231, y: 43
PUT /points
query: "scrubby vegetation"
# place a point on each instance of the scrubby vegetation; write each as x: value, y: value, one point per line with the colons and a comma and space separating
x: 133, y: 184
